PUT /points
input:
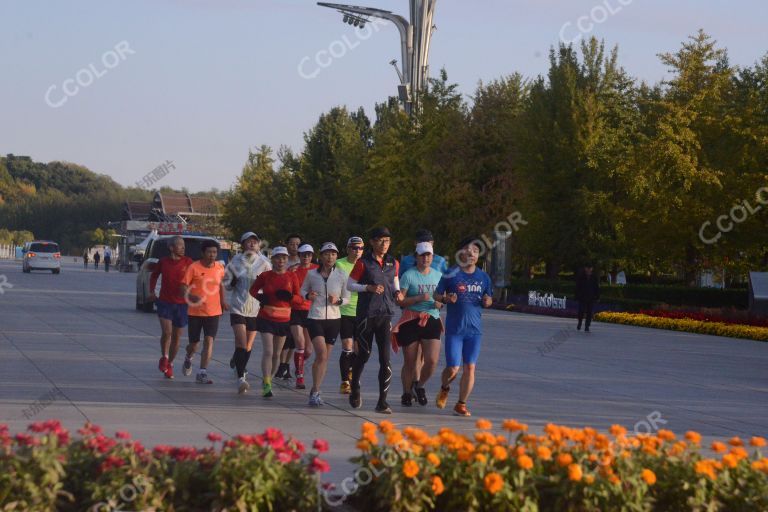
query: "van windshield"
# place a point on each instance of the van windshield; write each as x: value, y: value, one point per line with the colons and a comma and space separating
x: 192, y: 249
x: 44, y: 247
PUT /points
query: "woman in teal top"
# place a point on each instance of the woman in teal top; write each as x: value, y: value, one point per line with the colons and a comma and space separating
x: 420, y: 327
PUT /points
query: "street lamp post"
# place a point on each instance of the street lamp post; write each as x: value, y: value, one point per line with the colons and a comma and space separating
x: 415, y: 37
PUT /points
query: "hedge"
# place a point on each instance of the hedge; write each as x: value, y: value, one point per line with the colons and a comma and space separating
x: 686, y: 325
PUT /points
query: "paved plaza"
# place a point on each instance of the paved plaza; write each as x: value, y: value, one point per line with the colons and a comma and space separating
x: 78, y: 332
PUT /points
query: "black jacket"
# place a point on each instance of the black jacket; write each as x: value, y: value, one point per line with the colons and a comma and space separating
x: 587, y: 287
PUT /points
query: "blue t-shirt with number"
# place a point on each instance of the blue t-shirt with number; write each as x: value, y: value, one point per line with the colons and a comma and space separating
x: 415, y: 283
x: 464, y: 316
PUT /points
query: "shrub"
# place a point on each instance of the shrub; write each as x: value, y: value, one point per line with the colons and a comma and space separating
x: 686, y: 325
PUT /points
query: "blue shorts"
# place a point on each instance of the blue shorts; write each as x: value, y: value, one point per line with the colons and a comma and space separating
x: 461, y: 347
x: 176, y: 313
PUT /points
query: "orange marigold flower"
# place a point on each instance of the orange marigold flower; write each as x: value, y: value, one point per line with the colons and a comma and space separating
x: 617, y: 430
x: 371, y: 437
x: 735, y: 441
x: 544, y: 453
x: 614, y: 480
x: 589, y: 479
x: 368, y: 427
x: 386, y: 426
x: 479, y: 457
x: 666, y: 435
x: 493, y: 483
x: 394, y: 437
x: 592, y: 457
x: 649, y: 476
x: 693, y: 437
x: 706, y: 467
x: 564, y: 459
x: 463, y: 455
x: 500, y: 453
x: 375, y: 461
x: 483, y: 424
x: 718, y: 447
x: 757, y: 441
x: 433, y: 459
x: 625, y: 454
x: 574, y: 472
x: 410, y: 468
x: 758, y: 465
x: 437, y: 485
x: 520, y: 450
x: 739, y: 452
x: 730, y: 460
x: 363, y: 445
x: 514, y: 426
x: 678, y: 448
x: 525, y: 462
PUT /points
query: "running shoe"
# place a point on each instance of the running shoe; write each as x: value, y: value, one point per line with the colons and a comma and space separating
x: 266, y: 390
x: 421, y: 395
x: 300, y: 382
x: 168, y: 371
x: 280, y: 371
x: 442, y: 397
x: 407, y: 399
x: 345, y: 388
x: 287, y: 375
x: 354, y: 398
x: 163, y: 364
x: 461, y: 410
x: 315, y: 400
x: 203, y: 378
x: 187, y: 368
x: 383, y: 407
x: 242, y: 385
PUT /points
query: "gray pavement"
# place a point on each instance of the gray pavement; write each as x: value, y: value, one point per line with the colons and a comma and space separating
x: 79, y: 332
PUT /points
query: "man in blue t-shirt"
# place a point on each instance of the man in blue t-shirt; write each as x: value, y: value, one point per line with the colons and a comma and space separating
x: 466, y: 290
x: 409, y: 261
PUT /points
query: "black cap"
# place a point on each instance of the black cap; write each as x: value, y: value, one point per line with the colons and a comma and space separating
x: 380, y: 233
x: 424, y: 235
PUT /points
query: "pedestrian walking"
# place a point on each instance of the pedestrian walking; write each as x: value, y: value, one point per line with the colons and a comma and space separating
x: 96, y: 260
x: 85, y: 259
x: 240, y: 274
x: 326, y: 289
x: 587, y: 293
x: 107, y: 258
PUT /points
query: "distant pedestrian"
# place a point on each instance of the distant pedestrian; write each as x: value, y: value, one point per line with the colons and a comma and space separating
x: 96, y: 260
x: 107, y: 258
x: 85, y: 259
x: 587, y: 292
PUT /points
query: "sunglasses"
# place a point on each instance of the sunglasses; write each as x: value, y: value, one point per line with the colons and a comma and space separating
x: 355, y: 247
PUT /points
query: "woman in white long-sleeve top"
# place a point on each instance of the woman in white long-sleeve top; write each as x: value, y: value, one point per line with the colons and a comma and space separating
x: 326, y: 287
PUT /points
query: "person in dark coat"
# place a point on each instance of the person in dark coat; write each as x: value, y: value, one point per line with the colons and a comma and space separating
x: 587, y: 292
x: 96, y: 260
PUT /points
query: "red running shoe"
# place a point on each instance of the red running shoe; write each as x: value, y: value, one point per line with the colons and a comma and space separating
x: 168, y: 371
x: 163, y: 364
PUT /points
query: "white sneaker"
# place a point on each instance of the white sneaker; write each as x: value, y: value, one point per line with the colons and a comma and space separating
x: 315, y: 400
x: 203, y: 378
x: 187, y: 368
x: 242, y: 385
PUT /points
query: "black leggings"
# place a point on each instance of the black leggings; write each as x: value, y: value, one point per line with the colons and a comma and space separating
x: 366, y: 329
x: 585, y: 309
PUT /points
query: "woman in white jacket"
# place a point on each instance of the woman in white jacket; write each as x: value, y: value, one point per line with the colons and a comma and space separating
x: 326, y: 287
x: 240, y: 274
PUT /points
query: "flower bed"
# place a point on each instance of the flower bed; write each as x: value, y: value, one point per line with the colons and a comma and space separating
x: 706, y: 317
x: 45, y: 470
x: 563, y: 470
x: 686, y: 325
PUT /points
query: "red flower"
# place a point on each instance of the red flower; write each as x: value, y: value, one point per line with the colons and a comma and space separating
x: 121, y: 434
x: 36, y: 427
x: 214, y: 437
x: 246, y: 439
x: 111, y: 462
x: 318, y: 465
x: 162, y: 450
x: 285, y: 457
x: 63, y: 437
x: 26, y: 440
x: 321, y: 445
x: 298, y: 445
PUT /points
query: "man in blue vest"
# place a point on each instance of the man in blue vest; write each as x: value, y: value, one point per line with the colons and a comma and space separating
x: 375, y: 278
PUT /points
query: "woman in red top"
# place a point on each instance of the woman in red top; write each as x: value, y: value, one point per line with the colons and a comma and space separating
x: 277, y: 290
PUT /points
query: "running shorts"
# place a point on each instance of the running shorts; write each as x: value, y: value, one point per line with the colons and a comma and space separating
x: 209, y: 325
x: 461, y: 348
x: 176, y: 313
x: 329, y: 329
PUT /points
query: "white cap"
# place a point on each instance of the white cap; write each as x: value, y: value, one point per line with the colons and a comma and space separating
x: 277, y: 251
x: 329, y: 246
x: 305, y: 248
x: 424, y: 247
x: 247, y: 235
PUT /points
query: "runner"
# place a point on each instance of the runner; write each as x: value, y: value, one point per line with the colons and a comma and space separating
x: 277, y: 290
x: 355, y: 248
x: 241, y: 273
x: 420, y: 324
x: 171, y: 306
x: 203, y: 289
x: 409, y: 261
x: 299, y: 315
x: 292, y: 243
x: 466, y: 289
x: 326, y: 288
x: 374, y: 277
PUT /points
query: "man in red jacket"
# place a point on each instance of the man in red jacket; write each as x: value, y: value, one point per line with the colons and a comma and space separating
x: 171, y: 306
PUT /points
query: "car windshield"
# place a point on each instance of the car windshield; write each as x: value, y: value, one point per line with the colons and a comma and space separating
x: 160, y: 248
x: 44, y: 247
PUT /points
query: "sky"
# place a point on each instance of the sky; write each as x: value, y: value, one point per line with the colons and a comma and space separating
x: 123, y: 86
